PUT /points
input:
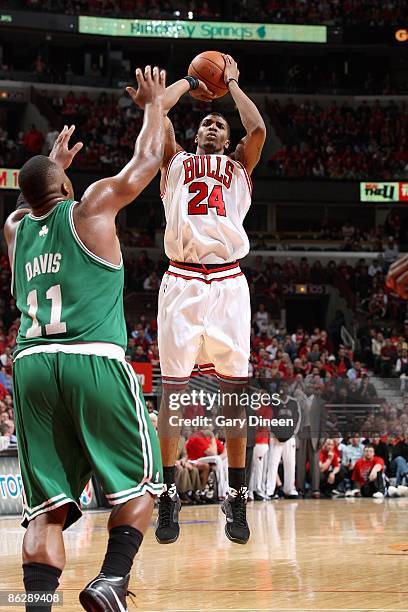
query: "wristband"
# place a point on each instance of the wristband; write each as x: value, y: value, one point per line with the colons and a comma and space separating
x: 192, y: 81
x: 228, y: 81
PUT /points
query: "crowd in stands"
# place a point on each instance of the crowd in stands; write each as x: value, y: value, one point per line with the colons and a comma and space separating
x: 361, y: 284
x: 339, y: 141
x: 336, y: 141
x: 337, y: 12
x: 109, y: 126
x: 384, y: 239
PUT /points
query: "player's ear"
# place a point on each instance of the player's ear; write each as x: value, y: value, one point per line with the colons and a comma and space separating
x: 227, y: 144
x: 196, y: 139
x: 65, y: 189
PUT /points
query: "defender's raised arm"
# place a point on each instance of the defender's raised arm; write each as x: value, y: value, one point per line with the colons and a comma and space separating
x: 113, y: 193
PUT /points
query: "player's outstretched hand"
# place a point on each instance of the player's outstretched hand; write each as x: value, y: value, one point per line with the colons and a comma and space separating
x: 231, y: 68
x: 202, y: 92
x: 151, y: 86
x: 60, y: 153
x: 397, y: 278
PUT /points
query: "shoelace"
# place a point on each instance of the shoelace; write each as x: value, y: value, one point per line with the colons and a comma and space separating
x: 132, y: 597
x: 165, y: 509
x: 238, y: 507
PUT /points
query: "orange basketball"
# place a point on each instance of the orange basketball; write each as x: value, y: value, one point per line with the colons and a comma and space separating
x: 209, y: 68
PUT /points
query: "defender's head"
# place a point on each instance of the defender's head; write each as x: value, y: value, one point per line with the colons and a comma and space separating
x: 213, y: 134
x: 42, y: 181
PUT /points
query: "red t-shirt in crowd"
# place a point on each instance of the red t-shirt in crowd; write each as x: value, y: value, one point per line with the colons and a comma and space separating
x: 335, y: 462
x: 362, y: 469
x: 198, y: 444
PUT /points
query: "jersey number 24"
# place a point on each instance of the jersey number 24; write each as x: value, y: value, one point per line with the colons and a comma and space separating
x: 197, y: 206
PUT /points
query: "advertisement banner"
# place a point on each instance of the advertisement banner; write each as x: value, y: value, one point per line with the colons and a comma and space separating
x: 8, y: 178
x: 11, y: 487
x: 144, y: 372
x: 403, y: 192
x: 53, y: 22
x: 203, y: 30
x: 379, y: 192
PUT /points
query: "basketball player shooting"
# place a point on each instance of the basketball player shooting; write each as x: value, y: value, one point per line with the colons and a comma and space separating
x: 78, y: 405
x: 204, y: 304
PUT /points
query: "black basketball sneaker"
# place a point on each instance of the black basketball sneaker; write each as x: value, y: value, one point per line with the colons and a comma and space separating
x: 234, y: 508
x: 106, y: 594
x: 167, y: 526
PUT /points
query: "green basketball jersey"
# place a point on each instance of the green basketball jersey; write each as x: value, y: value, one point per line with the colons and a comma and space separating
x: 65, y: 293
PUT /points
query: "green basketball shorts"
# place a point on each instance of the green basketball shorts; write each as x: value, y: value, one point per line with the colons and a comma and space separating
x: 78, y: 415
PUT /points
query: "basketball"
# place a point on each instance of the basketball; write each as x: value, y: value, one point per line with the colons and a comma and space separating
x: 209, y: 68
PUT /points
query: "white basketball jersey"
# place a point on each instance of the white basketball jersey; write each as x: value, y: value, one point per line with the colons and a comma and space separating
x: 206, y: 198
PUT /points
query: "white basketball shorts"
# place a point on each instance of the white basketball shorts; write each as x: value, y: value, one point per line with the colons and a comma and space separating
x: 204, y: 323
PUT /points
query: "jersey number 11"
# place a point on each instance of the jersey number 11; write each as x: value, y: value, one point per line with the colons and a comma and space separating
x: 55, y: 326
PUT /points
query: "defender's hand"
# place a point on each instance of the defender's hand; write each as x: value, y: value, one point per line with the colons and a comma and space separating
x: 231, y: 68
x: 397, y: 278
x: 151, y: 86
x: 60, y: 153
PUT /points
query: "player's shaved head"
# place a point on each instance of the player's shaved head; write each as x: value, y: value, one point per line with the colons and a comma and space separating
x: 41, y: 180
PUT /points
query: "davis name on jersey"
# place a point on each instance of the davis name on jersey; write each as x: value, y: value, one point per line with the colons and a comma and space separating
x: 48, y: 263
x: 206, y: 198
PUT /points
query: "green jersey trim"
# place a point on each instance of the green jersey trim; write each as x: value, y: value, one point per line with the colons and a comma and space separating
x: 104, y: 262
x: 98, y: 349
x: 47, y: 214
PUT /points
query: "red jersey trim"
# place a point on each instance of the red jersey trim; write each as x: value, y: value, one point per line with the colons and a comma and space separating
x: 248, y: 178
x: 205, y: 270
x: 203, y: 280
x: 232, y: 378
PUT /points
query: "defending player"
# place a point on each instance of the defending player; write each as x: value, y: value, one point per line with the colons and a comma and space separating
x: 204, y: 304
x: 79, y: 408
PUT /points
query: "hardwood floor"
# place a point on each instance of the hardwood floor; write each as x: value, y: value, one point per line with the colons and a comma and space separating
x: 306, y: 555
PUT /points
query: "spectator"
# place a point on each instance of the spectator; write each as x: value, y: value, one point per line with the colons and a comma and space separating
x: 351, y: 453
x: 282, y: 445
x: 204, y: 447
x: 368, y: 475
x: 140, y: 356
x: 391, y: 252
x: 331, y: 474
x: 400, y: 460
x: 33, y: 141
x: 261, y: 318
x: 50, y: 138
x: 311, y: 437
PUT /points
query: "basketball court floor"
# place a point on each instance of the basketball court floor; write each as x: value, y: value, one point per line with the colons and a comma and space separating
x: 303, y: 555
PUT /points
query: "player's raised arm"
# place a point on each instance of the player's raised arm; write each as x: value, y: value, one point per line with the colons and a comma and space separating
x: 112, y: 194
x: 249, y: 149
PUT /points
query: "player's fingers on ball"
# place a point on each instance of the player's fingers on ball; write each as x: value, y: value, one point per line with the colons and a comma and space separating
x: 207, y: 91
